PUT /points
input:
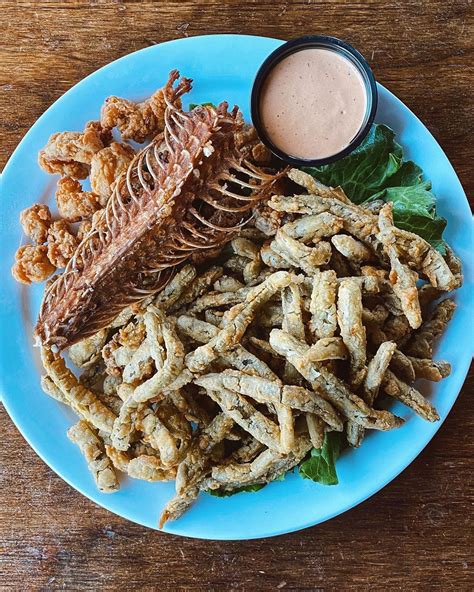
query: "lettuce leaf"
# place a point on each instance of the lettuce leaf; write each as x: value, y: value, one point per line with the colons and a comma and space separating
x: 377, y: 170
x: 226, y: 493
x: 321, y: 465
x: 193, y: 105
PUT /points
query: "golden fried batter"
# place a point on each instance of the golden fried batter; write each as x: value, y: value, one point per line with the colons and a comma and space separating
x: 73, y: 203
x: 32, y: 264
x: 61, y: 243
x: 106, y: 166
x: 36, y: 221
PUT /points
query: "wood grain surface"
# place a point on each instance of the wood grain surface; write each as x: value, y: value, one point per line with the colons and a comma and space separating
x: 417, y: 533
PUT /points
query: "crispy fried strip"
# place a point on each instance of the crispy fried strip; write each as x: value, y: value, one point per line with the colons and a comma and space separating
x: 178, y: 505
x: 351, y: 248
x: 234, y: 329
x: 327, y: 348
x: 83, y: 401
x: 349, y: 317
x: 272, y: 259
x: 376, y: 370
x: 173, y: 364
x: 192, y: 468
x: 175, y: 288
x: 197, y: 287
x: 227, y: 283
x: 86, y: 352
x: 245, y: 248
x: 430, y: 369
x: 402, y: 277
x: 245, y: 415
x: 313, y: 228
x: 402, y: 366
x: 93, y: 450
x: 292, y: 311
x: 299, y: 255
x: 124, y: 425
x: 149, y: 468
x: 216, y: 299
x: 316, y: 429
x: 323, y: 321
x: 263, y: 390
x: 421, y: 344
x: 408, y: 395
x: 48, y: 386
x: 330, y: 387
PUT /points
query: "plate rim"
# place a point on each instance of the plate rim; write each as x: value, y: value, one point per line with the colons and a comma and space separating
x: 4, y: 398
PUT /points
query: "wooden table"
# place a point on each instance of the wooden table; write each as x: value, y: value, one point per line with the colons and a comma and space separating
x: 416, y: 533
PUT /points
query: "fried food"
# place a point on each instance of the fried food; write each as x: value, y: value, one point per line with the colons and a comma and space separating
x: 73, y: 203
x: 32, y: 264
x: 62, y: 244
x: 35, y: 222
x: 113, y: 269
x: 106, y: 166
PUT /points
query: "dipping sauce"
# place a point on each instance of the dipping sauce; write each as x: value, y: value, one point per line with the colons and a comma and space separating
x: 313, y: 103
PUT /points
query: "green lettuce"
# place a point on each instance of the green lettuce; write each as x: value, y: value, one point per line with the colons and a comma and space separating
x: 227, y: 493
x: 377, y: 170
x: 321, y: 465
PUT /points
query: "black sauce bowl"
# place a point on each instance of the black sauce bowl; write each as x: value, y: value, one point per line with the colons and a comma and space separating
x: 311, y: 42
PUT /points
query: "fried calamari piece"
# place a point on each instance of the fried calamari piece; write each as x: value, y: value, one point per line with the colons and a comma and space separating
x: 86, y: 352
x: 92, y: 447
x: 32, y: 264
x: 402, y: 277
x: 327, y: 348
x: 329, y: 386
x: 421, y: 344
x: 322, y: 306
x: 192, y: 467
x: 106, y: 166
x: 135, y: 121
x: 70, y: 153
x: 430, y: 369
x: 166, y: 430
x: 349, y: 317
x: 351, y: 248
x: 227, y: 283
x: 199, y: 286
x: 61, y: 243
x: 267, y: 391
x: 376, y: 370
x: 174, y: 362
x: 246, y: 416
x: 299, y: 255
x: 313, y: 228
x: 83, y: 401
x: 35, y: 222
x: 409, y: 396
x: 236, y: 325
x: 175, y: 288
x: 73, y: 203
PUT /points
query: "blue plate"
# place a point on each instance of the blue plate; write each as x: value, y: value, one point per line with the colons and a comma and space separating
x: 223, y: 67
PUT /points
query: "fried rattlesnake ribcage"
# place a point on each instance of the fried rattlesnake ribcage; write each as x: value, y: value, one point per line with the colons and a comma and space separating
x: 191, y: 189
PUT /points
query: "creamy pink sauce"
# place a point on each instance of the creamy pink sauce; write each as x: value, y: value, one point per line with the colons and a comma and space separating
x: 313, y: 103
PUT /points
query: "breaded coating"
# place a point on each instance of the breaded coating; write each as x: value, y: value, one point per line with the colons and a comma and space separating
x: 352, y: 249
x: 330, y: 387
x: 227, y: 283
x: 349, y: 317
x: 83, y: 401
x: 32, y: 264
x: 316, y: 429
x: 218, y: 299
x: 149, y: 468
x: 313, y: 228
x: 421, y: 344
x: 93, y: 450
x: 402, y: 366
x: 430, y: 369
x: 106, y: 165
x: 376, y: 369
x: 409, y: 396
x: 172, y: 366
x: 242, y: 315
x: 199, y: 286
x: 272, y: 259
x: 135, y: 121
x: 327, y: 348
x: 292, y: 311
x: 124, y: 425
x: 52, y: 390
x: 35, y: 222
x: 88, y: 350
x: 73, y: 203
x: 299, y: 255
x: 402, y: 277
x: 175, y: 288
x: 323, y: 321
x: 70, y: 153
x: 61, y: 243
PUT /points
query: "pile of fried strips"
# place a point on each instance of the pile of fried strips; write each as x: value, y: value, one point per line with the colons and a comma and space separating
x: 237, y: 369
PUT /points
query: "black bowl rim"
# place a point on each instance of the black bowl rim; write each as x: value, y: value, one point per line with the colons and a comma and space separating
x: 299, y: 44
